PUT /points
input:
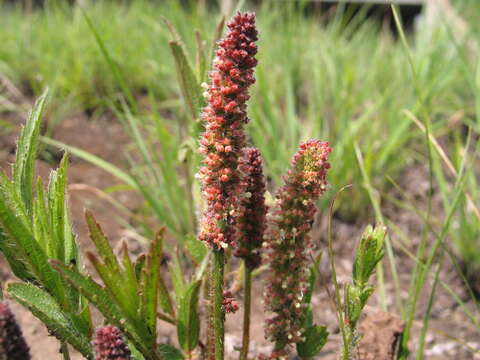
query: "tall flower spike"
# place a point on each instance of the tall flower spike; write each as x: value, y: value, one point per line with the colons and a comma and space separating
x: 108, y: 344
x: 253, y: 211
x: 12, y: 343
x: 224, y: 138
x: 288, y: 243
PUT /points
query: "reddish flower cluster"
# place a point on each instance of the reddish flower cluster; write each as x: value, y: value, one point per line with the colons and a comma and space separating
x: 12, y: 343
x: 288, y: 243
x: 108, y: 344
x: 251, y: 222
x: 229, y: 305
x: 224, y: 138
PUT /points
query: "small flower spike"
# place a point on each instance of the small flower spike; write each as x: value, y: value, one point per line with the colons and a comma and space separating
x: 108, y: 344
x: 253, y: 211
x: 224, y: 138
x: 12, y: 343
x: 288, y: 244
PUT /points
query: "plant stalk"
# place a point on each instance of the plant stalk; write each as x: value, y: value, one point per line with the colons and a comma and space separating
x: 246, y: 312
x: 216, y: 292
x: 64, y: 351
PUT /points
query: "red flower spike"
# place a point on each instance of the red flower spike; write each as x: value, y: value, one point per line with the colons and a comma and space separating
x: 108, y: 344
x: 12, y: 342
x: 251, y: 222
x: 224, y: 138
x: 288, y: 243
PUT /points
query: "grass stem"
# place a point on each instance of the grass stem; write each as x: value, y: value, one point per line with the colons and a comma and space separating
x: 246, y: 312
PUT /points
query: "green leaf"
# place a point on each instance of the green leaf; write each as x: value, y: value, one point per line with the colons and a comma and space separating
x: 92, y: 291
x: 24, y: 166
x: 149, y: 285
x: 178, y: 279
x: 16, y: 230
x: 196, y: 248
x: 101, y: 243
x: 315, y: 338
x: 105, y: 303
x: 369, y: 252
x: 353, y: 304
x: 169, y: 352
x: 188, y: 322
x: 139, y: 264
x: 191, y: 90
x: 44, y: 307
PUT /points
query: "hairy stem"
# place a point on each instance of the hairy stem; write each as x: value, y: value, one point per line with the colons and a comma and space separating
x: 216, y: 291
x: 246, y: 312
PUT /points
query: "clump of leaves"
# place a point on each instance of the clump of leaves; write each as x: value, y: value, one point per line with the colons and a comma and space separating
x: 368, y: 254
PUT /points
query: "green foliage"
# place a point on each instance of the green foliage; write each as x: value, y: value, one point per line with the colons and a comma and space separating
x: 315, y: 336
x: 188, y: 324
x: 47, y: 309
x: 131, y: 292
x: 35, y: 227
x: 369, y: 253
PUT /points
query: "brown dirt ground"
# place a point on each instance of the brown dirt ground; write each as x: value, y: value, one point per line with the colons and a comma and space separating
x: 450, y: 335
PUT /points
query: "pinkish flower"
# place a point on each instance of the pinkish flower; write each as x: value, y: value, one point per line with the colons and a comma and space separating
x: 108, y: 344
x: 12, y: 343
x: 224, y: 137
x: 229, y: 304
x: 288, y: 243
x: 251, y: 222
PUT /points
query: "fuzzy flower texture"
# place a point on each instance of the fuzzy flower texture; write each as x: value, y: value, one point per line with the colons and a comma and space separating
x: 288, y: 243
x: 251, y: 221
x: 224, y: 137
x: 109, y: 344
x: 12, y: 343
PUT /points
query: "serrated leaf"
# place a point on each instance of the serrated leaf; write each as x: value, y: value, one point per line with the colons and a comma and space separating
x: 129, y: 270
x: 24, y: 166
x: 149, y: 285
x: 369, y: 252
x: 139, y: 264
x: 188, y: 322
x: 114, y: 285
x: 191, y: 90
x: 44, y: 307
x: 353, y: 304
x: 17, y: 231
x: 104, y: 302
x: 101, y: 243
x: 169, y: 352
x: 315, y: 339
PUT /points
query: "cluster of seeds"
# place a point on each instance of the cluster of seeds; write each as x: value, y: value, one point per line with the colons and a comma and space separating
x: 12, y: 343
x: 251, y: 222
x: 288, y: 243
x: 108, y: 344
x: 224, y: 137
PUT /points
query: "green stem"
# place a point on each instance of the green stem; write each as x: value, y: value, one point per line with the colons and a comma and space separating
x: 246, y: 312
x: 216, y: 291
x: 64, y: 351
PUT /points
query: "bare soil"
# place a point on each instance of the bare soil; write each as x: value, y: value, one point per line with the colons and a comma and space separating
x: 451, y: 335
